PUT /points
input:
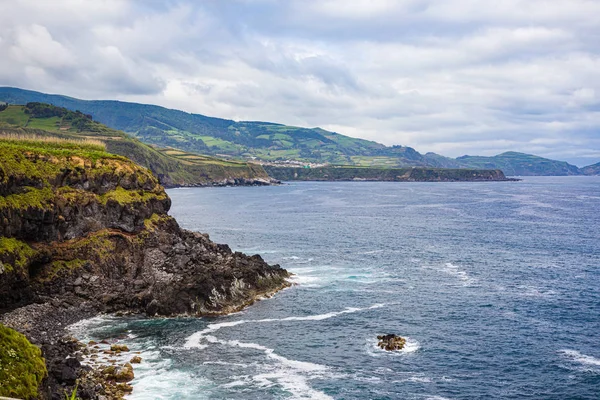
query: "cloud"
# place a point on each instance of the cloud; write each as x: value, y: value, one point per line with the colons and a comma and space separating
x: 449, y: 76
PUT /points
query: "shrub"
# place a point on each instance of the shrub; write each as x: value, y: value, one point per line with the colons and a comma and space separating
x: 22, y: 367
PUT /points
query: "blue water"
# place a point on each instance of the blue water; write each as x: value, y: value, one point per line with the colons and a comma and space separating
x: 495, y: 285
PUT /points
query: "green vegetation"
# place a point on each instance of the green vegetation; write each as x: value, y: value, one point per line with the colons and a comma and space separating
x: 43, y: 165
x: 520, y: 164
x: 245, y: 140
x: 123, y: 196
x: 36, y: 198
x: 151, y: 223
x: 73, y: 395
x: 59, y: 267
x: 15, y: 254
x: 22, y: 367
x: 412, y: 174
x: 51, y: 122
x: 40, y: 161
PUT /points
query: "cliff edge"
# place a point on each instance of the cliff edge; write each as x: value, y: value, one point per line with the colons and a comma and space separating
x: 84, y: 231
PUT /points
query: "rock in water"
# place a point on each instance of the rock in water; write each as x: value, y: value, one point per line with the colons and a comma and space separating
x: 391, y: 342
x: 136, y: 360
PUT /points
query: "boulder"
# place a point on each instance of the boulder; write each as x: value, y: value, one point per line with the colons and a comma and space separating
x: 136, y: 360
x: 119, y: 348
x: 391, y: 342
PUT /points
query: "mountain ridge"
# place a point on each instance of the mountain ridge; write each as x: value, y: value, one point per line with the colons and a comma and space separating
x: 174, y: 168
x: 274, y: 142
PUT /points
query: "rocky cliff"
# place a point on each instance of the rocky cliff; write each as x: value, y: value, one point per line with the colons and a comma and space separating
x: 412, y: 174
x: 88, y: 231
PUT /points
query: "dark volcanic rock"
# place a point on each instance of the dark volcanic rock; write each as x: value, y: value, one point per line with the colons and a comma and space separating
x: 81, y: 236
x: 391, y: 342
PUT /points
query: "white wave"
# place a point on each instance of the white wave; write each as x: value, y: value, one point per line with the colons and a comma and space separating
x: 291, y: 375
x: 411, y: 346
x: 168, y: 384
x: 420, y: 379
x: 371, y: 252
x: 82, y: 329
x: 295, y: 260
x: 454, y: 270
x: 225, y: 363
x: 581, y: 358
x: 305, y: 280
x: 193, y: 341
x: 534, y: 291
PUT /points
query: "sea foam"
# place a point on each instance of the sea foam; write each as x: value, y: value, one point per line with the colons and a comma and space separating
x: 581, y: 358
x: 193, y: 341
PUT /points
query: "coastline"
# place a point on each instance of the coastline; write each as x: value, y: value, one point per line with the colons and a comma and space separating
x: 406, y: 174
x: 86, y: 232
x: 73, y: 362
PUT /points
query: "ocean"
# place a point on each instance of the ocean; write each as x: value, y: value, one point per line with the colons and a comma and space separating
x: 495, y: 285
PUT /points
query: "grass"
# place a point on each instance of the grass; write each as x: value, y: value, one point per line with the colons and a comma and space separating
x: 14, y: 115
x: 22, y: 132
x: 41, y: 160
x: 53, y: 142
x: 22, y: 367
x: 49, y: 124
x: 199, y: 160
x: 123, y: 196
x: 73, y: 395
x: 32, y: 197
x: 18, y: 251
x: 58, y: 267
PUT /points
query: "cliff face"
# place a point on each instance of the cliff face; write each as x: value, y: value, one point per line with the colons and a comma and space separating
x: 591, y: 169
x: 84, y: 231
x: 384, y: 174
x: 84, y: 223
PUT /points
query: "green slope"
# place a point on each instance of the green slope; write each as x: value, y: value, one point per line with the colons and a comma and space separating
x: 246, y: 140
x: 520, y: 164
x: 172, y: 169
x: 243, y: 140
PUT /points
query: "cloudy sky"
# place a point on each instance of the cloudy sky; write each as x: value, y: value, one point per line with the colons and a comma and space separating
x: 450, y: 76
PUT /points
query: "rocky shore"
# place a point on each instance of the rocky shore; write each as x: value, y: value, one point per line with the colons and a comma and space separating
x: 227, y: 182
x: 85, y: 232
x: 380, y: 174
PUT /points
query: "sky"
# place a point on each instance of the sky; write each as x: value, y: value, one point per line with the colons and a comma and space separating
x: 453, y: 77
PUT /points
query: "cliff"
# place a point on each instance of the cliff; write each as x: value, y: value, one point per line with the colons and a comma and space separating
x: 172, y: 167
x: 84, y: 231
x: 384, y: 174
x: 520, y: 164
x: 591, y: 169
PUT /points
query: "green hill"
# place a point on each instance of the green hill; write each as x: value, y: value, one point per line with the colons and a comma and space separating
x: 242, y: 140
x: 520, y: 164
x: 591, y: 169
x: 248, y: 140
x: 45, y: 120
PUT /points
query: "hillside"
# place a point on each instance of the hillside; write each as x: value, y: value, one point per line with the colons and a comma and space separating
x: 248, y: 140
x: 591, y: 169
x: 521, y: 164
x: 242, y: 140
x: 86, y: 232
x: 172, y: 168
x: 411, y: 174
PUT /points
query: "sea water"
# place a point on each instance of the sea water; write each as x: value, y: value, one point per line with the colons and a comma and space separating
x: 496, y: 287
